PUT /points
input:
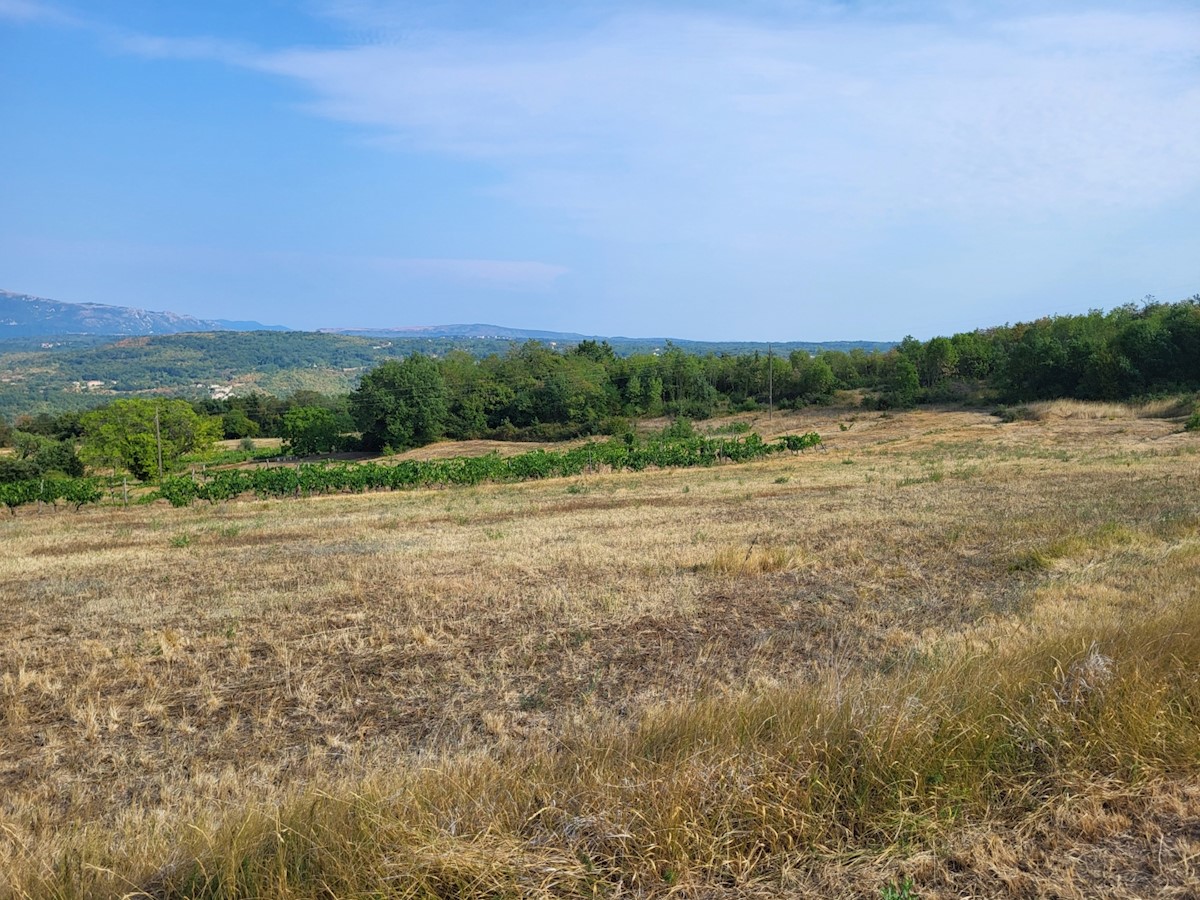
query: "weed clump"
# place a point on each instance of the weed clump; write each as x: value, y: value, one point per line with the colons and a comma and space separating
x: 750, y: 561
x: 1015, y: 414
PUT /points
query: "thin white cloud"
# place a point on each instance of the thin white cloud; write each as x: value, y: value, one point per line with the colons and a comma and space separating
x: 34, y: 11
x: 157, y: 47
x: 718, y: 127
x: 726, y: 128
x: 850, y: 154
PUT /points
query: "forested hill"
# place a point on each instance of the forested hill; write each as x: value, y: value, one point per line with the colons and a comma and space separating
x: 1128, y: 352
x: 81, y: 374
x: 73, y: 376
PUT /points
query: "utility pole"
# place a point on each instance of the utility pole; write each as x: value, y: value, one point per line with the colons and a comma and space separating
x: 770, y: 384
x: 158, y: 440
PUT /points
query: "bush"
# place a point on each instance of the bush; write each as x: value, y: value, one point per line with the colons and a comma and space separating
x: 40, y: 457
x: 681, y: 429
x: 1193, y: 422
x: 614, y: 425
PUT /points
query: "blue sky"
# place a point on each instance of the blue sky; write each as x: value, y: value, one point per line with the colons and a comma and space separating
x: 768, y: 169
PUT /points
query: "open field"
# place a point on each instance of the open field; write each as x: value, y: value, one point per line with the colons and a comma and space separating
x: 946, y: 648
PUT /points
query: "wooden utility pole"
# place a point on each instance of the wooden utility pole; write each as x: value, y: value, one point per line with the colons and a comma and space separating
x: 770, y: 384
x: 158, y: 440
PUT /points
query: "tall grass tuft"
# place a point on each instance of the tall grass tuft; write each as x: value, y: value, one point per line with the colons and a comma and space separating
x: 1163, y: 408
x: 750, y: 560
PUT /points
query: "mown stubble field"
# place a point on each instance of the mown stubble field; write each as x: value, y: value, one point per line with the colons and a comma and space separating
x: 165, y: 673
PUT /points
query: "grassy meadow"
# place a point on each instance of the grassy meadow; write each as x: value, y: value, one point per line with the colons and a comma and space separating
x: 949, y: 656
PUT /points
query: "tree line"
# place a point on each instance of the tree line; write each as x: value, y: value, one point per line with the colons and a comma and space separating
x: 533, y: 391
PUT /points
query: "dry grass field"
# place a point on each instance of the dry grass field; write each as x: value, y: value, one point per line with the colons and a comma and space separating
x: 946, y: 649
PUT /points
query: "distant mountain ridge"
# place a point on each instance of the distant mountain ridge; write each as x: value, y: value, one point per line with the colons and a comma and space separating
x: 25, y: 315
x: 483, y: 332
x: 480, y: 332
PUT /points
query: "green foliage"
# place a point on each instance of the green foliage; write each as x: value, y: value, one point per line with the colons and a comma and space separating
x: 39, y: 457
x: 61, y: 427
x: 815, y: 380
x: 185, y: 359
x: 76, y: 491
x: 308, y: 430
x: 237, y: 425
x: 904, y: 890
x: 800, y: 442
x: 938, y: 361
x: 532, y: 390
x: 1193, y: 422
x: 130, y: 434
x: 680, y: 429
x: 401, y: 404
x: 614, y: 455
x: 1124, y: 353
x: 901, y: 383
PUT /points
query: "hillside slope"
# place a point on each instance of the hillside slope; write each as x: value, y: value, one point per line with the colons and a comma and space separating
x: 24, y: 315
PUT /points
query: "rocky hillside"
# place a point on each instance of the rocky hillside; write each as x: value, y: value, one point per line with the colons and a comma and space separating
x: 23, y: 315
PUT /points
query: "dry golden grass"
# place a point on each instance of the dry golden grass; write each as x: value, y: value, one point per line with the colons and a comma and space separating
x: 1167, y: 407
x: 259, y: 443
x: 708, y: 682
x: 450, y: 449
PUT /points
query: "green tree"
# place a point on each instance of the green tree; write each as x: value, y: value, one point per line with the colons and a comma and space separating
x: 308, y: 430
x: 36, y: 456
x: 401, y: 404
x: 939, y: 360
x: 976, y: 354
x: 911, y: 348
x: 689, y: 392
x: 131, y: 433
x: 901, y: 383
x: 815, y: 381
x: 237, y: 424
x: 601, y: 352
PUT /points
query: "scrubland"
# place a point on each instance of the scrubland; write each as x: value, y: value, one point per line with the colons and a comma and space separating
x: 947, y: 656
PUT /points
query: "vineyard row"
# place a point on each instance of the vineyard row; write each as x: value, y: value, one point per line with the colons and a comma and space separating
x: 319, y: 478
